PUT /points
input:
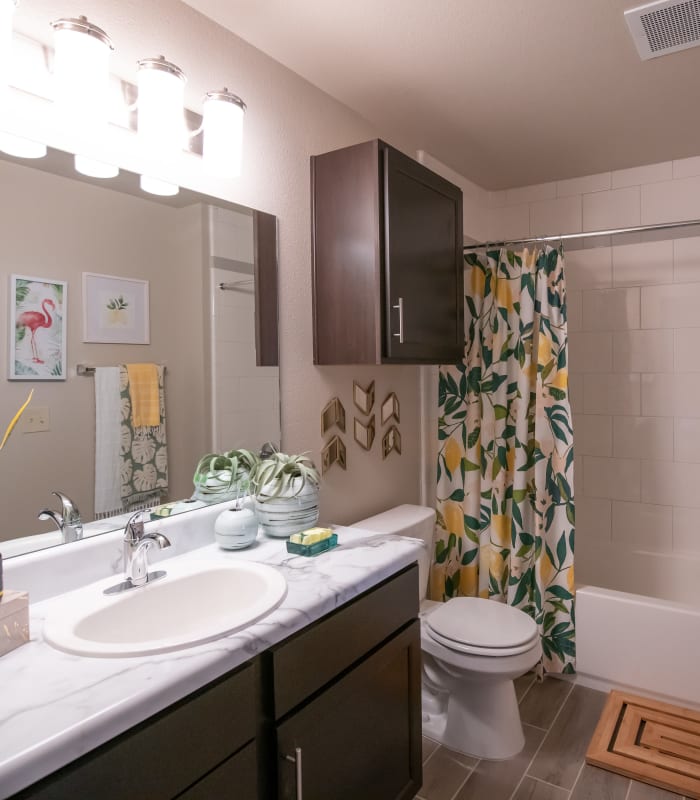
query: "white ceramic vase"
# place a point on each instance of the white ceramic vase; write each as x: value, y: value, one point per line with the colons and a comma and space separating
x: 287, y: 514
x: 235, y: 528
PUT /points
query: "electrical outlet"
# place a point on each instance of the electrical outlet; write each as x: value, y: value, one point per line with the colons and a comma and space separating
x: 35, y: 420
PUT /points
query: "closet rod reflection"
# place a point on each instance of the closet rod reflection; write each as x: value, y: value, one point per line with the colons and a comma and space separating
x: 84, y: 369
x: 662, y: 226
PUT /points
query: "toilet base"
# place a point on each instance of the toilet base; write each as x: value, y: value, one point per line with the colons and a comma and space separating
x: 482, y: 720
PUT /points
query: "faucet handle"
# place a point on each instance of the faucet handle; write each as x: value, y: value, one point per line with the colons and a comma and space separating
x: 69, y: 509
x: 133, y: 532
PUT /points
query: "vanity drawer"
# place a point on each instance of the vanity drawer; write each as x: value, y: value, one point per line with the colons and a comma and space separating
x: 316, y: 655
x: 167, y: 753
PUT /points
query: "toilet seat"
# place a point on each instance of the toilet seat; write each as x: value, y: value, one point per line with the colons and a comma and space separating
x: 482, y: 627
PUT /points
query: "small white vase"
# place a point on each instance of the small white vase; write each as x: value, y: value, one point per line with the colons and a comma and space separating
x: 235, y: 528
x: 284, y: 515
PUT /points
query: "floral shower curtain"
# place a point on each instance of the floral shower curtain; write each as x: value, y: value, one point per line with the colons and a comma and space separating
x: 505, y: 463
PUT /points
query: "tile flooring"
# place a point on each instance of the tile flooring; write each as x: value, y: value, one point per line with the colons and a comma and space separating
x: 558, y: 719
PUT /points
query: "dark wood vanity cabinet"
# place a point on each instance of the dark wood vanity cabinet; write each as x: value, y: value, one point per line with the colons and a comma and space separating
x: 346, y: 709
x: 388, y: 270
x: 205, y: 741
x: 333, y: 711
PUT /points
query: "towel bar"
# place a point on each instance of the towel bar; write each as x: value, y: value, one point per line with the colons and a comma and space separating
x: 84, y: 369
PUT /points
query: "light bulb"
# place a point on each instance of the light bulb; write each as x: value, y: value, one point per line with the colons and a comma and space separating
x: 222, y: 124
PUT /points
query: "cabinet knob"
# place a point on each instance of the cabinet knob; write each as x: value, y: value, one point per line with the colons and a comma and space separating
x: 296, y: 760
x: 399, y: 305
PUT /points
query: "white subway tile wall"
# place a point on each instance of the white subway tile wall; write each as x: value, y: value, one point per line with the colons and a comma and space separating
x: 618, y: 208
x: 636, y: 176
x: 634, y: 357
x: 642, y: 264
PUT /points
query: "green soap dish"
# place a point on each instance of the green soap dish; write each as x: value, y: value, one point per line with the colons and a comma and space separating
x: 312, y: 549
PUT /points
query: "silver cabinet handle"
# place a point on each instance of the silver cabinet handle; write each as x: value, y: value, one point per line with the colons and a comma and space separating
x: 400, y: 307
x: 296, y: 760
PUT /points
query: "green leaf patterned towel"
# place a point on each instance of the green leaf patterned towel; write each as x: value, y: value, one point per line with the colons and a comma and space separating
x: 143, y: 452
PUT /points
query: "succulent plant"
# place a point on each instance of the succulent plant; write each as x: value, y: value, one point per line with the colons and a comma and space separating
x: 223, y: 473
x: 277, y: 474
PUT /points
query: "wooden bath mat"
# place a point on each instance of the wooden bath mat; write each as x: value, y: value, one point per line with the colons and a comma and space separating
x: 652, y: 742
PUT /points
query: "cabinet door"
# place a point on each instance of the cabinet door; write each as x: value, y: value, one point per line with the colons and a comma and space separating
x: 423, y: 265
x: 235, y: 779
x: 361, y: 737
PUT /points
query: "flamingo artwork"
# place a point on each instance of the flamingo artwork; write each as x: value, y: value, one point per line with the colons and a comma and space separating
x: 33, y: 320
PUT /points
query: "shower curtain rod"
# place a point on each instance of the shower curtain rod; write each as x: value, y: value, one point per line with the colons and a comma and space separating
x: 584, y: 235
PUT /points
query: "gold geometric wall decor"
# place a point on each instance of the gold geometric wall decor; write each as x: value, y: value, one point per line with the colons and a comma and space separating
x: 390, y: 408
x: 333, y: 453
x: 364, y: 434
x: 333, y: 414
x: 363, y: 398
x: 391, y: 441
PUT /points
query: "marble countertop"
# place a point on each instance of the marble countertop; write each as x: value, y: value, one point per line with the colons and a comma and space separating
x: 56, y: 706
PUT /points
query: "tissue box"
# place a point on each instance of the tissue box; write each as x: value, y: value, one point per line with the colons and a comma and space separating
x: 14, y: 620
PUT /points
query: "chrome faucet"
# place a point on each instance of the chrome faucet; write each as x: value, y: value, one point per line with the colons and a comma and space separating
x: 136, y: 546
x: 68, y: 521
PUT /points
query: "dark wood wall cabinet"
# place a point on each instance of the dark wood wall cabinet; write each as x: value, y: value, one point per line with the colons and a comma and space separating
x: 388, y: 269
x: 332, y: 713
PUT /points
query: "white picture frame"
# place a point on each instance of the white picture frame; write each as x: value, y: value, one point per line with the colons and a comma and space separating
x: 37, y: 334
x: 115, y: 310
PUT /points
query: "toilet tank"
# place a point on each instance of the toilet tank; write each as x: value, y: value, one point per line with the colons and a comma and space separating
x: 407, y: 520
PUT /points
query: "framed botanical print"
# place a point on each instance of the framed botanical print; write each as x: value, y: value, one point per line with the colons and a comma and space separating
x: 115, y: 310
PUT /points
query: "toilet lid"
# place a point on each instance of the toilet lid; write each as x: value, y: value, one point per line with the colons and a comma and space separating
x: 477, y: 623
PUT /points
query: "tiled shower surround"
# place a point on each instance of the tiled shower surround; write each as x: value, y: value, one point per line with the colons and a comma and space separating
x: 634, y: 334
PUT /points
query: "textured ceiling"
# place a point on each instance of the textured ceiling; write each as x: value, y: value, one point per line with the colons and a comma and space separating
x: 506, y: 92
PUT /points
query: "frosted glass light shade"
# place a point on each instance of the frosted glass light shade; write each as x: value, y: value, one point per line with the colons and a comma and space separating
x: 94, y: 168
x: 19, y: 147
x: 160, y: 104
x: 81, y: 86
x: 7, y: 10
x: 157, y: 186
x: 81, y: 73
x: 222, y: 125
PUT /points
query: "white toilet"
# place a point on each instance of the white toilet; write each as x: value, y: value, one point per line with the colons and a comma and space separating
x: 472, y: 651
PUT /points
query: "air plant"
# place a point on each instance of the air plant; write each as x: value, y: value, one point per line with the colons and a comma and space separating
x: 278, y: 473
x: 223, y: 473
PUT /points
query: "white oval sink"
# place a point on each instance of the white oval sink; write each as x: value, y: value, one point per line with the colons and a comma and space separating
x: 194, y: 603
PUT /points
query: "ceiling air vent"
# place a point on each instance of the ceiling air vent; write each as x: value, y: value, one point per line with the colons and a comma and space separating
x: 664, y: 27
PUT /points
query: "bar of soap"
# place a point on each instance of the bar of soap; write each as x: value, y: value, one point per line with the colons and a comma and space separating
x: 311, y: 536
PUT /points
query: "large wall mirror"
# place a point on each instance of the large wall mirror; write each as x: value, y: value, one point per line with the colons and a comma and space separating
x: 211, y: 269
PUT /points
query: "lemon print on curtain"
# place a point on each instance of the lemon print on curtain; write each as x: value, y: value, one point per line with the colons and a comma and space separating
x: 505, y: 463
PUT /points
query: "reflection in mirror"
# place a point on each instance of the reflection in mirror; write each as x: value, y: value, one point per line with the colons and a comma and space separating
x: 219, y: 345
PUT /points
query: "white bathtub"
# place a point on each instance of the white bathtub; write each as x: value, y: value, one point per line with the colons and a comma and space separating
x: 638, y: 643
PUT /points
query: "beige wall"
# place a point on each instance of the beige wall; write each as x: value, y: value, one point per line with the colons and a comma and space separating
x: 287, y: 121
x: 57, y: 228
x: 634, y: 335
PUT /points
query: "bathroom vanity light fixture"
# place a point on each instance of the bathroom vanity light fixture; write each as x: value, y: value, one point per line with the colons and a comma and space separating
x: 10, y: 144
x: 222, y: 127
x: 81, y: 85
x: 78, y: 91
x: 161, y: 120
x: 7, y: 10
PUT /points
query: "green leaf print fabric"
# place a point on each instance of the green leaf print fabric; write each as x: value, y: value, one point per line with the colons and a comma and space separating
x: 506, y: 458
x: 144, y: 452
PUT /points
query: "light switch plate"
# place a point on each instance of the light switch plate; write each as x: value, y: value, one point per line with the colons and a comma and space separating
x: 36, y: 420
